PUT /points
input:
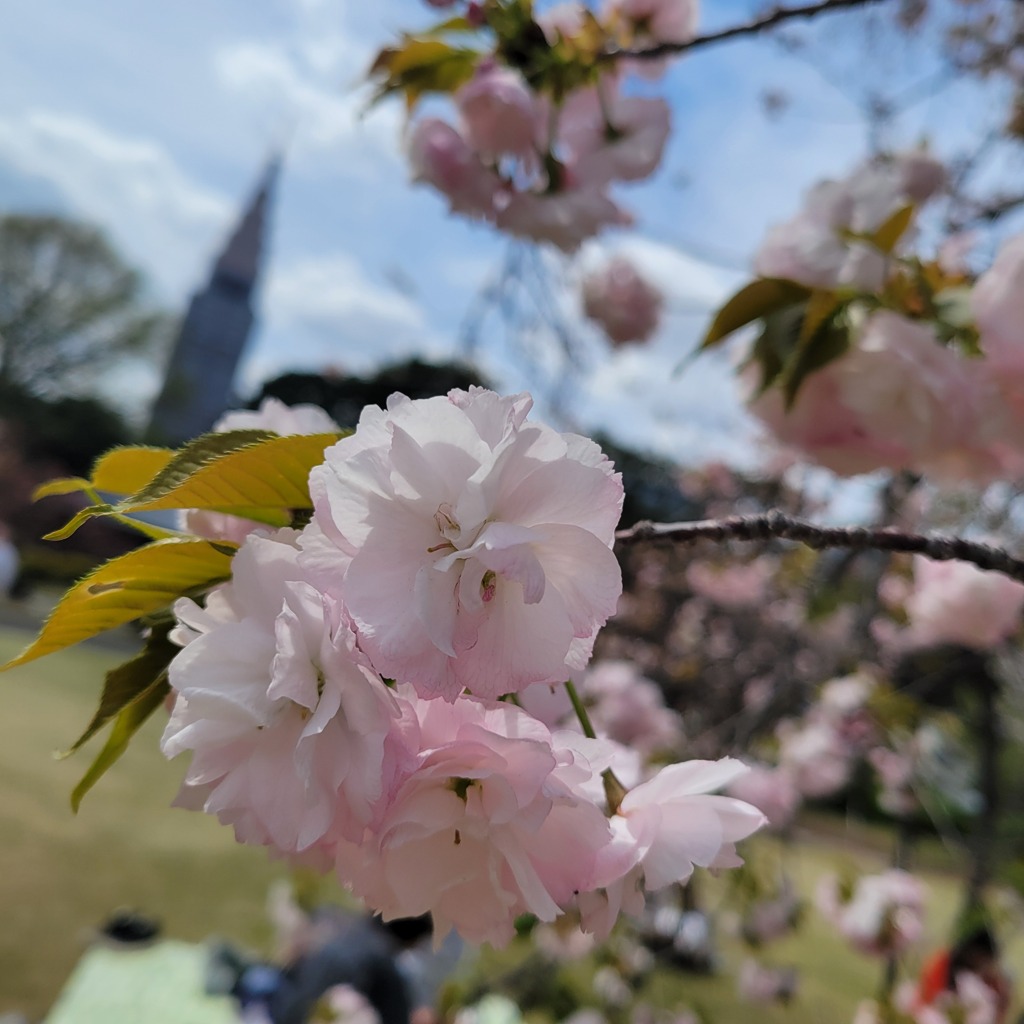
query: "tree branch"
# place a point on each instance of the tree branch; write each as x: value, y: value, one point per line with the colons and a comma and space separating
x: 773, y: 17
x: 777, y: 525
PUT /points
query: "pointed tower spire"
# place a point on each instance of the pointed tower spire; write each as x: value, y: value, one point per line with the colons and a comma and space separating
x: 199, y: 381
x: 240, y: 261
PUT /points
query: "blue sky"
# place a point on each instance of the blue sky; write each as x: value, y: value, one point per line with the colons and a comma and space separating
x: 153, y: 120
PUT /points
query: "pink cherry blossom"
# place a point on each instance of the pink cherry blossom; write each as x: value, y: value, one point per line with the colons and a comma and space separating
x: 659, y: 21
x: 771, y: 790
x: 820, y: 426
x: 815, y: 756
x: 286, y: 721
x: 491, y: 822
x: 441, y: 157
x: 958, y: 603
x: 625, y: 305
x: 733, y: 586
x: 997, y: 301
x: 679, y: 824
x: 565, y: 218
x: 814, y: 246
x: 499, y: 113
x: 882, y: 915
x: 473, y: 548
x: 629, y: 708
x: 610, y: 137
x: 278, y: 418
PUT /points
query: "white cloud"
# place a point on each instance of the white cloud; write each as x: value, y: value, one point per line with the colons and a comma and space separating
x: 327, y: 311
x: 316, y: 107
x: 161, y: 218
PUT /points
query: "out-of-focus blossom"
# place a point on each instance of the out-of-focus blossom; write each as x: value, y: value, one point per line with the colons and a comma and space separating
x: 629, y: 708
x: 499, y: 112
x: 658, y: 21
x: 610, y: 137
x: 958, y: 603
x: 815, y: 246
x: 566, y: 219
x: 733, y: 586
x: 771, y: 790
x: 441, y: 157
x: 759, y: 983
x: 882, y: 915
x: 623, y: 303
x: 815, y: 757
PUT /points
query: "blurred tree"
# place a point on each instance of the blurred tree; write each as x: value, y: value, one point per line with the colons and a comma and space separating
x: 70, y: 308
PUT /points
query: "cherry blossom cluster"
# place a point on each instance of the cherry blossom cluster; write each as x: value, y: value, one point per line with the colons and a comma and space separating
x: 906, y: 388
x: 350, y: 698
x: 537, y: 161
x: 881, y: 915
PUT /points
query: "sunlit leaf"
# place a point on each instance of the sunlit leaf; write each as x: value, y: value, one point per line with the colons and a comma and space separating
x: 127, y: 470
x: 260, y: 480
x: 138, y: 583
x: 61, y: 485
x: 753, y: 302
x: 128, y: 722
x: 422, y: 65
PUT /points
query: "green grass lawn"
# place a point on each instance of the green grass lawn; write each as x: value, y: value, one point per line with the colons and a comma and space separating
x: 60, y: 875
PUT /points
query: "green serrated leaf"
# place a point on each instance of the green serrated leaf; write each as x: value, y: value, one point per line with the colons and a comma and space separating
x: 821, y: 306
x: 753, y: 302
x: 130, y: 681
x: 125, y: 588
x: 127, y: 723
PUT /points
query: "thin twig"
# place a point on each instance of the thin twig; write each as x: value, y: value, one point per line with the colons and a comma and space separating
x: 776, y: 16
x: 777, y: 525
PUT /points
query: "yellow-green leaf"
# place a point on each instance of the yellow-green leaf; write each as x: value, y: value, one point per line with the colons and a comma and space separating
x: 261, y: 479
x: 420, y: 65
x: 752, y: 302
x: 886, y: 237
x: 61, y: 485
x: 138, y: 583
x: 127, y: 470
x: 128, y: 722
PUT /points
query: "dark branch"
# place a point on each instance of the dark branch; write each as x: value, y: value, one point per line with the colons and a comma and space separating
x: 775, y: 16
x: 777, y: 525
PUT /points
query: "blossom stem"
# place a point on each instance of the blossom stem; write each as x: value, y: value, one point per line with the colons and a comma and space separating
x: 614, y: 790
x: 778, y: 525
x: 580, y: 709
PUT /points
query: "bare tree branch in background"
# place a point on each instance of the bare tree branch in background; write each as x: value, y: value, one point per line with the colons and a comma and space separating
x: 776, y: 524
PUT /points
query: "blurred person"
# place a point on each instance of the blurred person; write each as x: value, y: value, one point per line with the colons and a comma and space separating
x: 363, y: 953
x: 975, y: 953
